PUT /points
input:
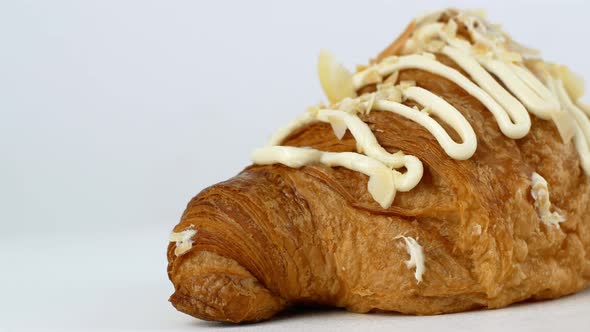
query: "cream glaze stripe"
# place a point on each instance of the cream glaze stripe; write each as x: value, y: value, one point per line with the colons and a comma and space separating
x: 518, y: 79
x: 367, y: 143
x: 581, y: 119
x: 300, y: 122
x: 582, y: 136
x: 381, y: 183
x: 583, y: 107
x: 517, y: 129
x: 433, y: 103
x: 365, y: 140
x: 512, y: 117
x: 515, y: 81
x: 583, y: 149
x: 460, y: 151
x: 548, y: 102
x: 447, y: 113
x: 484, y: 79
x: 539, y: 100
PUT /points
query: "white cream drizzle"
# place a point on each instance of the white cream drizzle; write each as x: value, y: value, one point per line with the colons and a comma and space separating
x: 491, y: 54
x: 382, y: 179
x: 512, y: 124
x: 300, y: 122
x: 416, y: 256
x: 582, y: 136
x: 540, y: 194
x: 183, y: 241
x: 583, y: 107
x: 442, y: 109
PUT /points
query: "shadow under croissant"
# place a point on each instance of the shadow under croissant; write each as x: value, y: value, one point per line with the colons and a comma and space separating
x: 326, y: 312
x: 311, y: 310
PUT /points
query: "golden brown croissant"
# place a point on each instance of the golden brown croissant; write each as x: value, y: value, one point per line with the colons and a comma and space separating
x: 503, y: 223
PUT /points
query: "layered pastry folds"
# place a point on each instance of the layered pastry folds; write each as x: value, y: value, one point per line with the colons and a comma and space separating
x: 450, y: 173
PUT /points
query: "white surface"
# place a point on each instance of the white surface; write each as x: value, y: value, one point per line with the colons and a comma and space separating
x: 107, y: 281
x: 113, y: 114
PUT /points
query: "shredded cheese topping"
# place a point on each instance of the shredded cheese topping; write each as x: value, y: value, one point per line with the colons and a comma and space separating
x: 540, y: 193
x: 416, y: 256
x: 500, y: 78
x: 183, y: 241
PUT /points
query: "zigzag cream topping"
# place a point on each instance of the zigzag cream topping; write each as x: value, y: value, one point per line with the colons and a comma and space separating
x: 509, y: 85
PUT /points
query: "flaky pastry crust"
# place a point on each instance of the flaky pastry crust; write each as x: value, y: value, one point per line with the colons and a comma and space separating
x: 273, y: 236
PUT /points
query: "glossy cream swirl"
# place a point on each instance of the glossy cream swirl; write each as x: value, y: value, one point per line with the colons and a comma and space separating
x: 487, y: 57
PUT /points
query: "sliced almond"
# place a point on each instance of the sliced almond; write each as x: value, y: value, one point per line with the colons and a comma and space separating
x: 336, y: 80
x: 573, y: 83
x: 382, y: 187
x: 338, y: 126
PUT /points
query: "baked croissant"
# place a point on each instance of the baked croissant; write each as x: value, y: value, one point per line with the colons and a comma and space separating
x: 450, y: 173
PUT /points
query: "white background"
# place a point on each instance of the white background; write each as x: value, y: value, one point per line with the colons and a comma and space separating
x: 113, y: 114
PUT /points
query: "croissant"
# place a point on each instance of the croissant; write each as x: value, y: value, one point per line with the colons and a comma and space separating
x: 448, y: 174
